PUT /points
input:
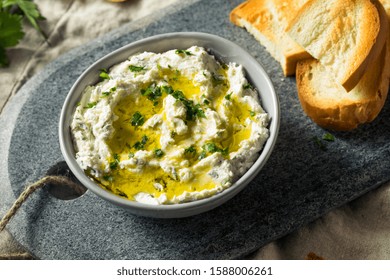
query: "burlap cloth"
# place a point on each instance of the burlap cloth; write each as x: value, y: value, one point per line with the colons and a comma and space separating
x: 358, y: 230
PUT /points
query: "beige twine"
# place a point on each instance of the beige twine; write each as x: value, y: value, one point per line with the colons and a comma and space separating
x: 58, y: 180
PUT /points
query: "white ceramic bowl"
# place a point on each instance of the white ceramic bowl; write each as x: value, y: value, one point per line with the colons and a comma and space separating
x: 223, y: 50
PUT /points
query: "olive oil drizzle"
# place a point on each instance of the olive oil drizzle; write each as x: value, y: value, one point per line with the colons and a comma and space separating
x: 131, y: 136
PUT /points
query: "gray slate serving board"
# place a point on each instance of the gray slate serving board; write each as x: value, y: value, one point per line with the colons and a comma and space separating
x: 299, y: 183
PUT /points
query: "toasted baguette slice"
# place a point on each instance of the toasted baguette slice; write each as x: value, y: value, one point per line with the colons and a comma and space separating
x: 328, y: 104
x: 386, y: 5
x: 285, y: 10
x: 344, y: 35
x: 266, y: 21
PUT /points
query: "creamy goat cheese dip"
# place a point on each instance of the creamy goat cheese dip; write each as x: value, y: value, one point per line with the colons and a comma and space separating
x: 166, y: 128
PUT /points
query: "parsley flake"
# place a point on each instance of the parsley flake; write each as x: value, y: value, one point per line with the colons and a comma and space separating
x: 137, y: 119
x: 152, y: 92
x: 213, y: 148
x: 192, y: 109
x: 319, y: 143
x: 139, y: 145
x: 158, y: 153
x: 90, y: 105
x: 328, y: 137
x: 134, y: 68
x: 167, y: 89
x: 107, y: 93
x: 202, y: 155
x: 191, y: 150
x: 210, y: 147
x: 183, y: 52
x: 108, y: 178
x: 104, y: 74
x: 248, y: 86
x: 115, y: 162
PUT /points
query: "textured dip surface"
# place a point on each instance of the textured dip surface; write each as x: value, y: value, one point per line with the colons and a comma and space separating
x: 163, y: 128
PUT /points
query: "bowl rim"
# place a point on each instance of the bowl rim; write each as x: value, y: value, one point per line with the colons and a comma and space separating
x: 187, y: 208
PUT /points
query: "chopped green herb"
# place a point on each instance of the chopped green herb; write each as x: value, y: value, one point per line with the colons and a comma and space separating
x: 183, y: 52
x: 141, y: 144
x: 205, y: 100
x: 252, y: 114
x: 178, y: 94
x: 228, y: 96
x: 144, y: 139
x: 167, y: 89
x: 328, y: 137
x: 248, y: 86
x: 210, y: 147
x: 191, y: 150
x: 152, y: 92
x: 108, y: 178
x: 319, y: 143
x: 107, y: 93
x: 131, y: 155
x: 202, y: 155
x: 224, y: 152
x: 158, y: 153
x: 137, y: 119
x: 199, y: 112
x: 213, y: 148
x: 134, y: 68
x: 192, y: 110
x: 104, y: 74
x: 115, y: 162
x: 176, y: 77
x: 138, y: 145
x: 90, y: 105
